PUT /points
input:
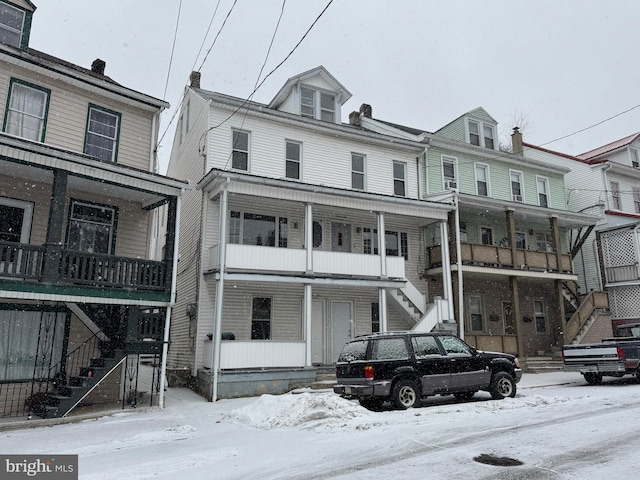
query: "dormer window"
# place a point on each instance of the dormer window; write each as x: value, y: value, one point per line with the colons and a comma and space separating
x: 481, y: 134
x: 635, y: 158
x: 12, y: 25
x: 317, y: 104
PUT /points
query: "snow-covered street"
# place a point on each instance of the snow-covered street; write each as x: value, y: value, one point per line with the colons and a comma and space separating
x: 556, y: 426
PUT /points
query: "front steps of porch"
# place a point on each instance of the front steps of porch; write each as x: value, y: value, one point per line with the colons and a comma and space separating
x: 542, y: 364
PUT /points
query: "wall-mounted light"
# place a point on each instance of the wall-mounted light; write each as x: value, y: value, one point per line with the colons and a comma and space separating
x: 295, y: 225
x: 358, y: 229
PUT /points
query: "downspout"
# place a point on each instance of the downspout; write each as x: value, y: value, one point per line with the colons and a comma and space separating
x: 153, y: 166
x: 217, y: 335
x: 172, y: 302
x: 456, y: 200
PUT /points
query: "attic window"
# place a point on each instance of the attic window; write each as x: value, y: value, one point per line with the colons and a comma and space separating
x: 481, y: 134
x: 318, y: 105
x: 11, y: 24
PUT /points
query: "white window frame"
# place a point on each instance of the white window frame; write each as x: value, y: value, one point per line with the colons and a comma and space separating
x: 448, y: 182
x: 476, y: 308
x: 514, y: 197
x: 289, y: 160
x: 485, y: 168
x: 482, y: 128
x: 398, y: 179
x: 636, y: 199
x: 18, y: 117
x: 6, y: 29
x: 27, y: 216
x: 234, y: 149
x: 540, y: 313
x: 359, y: 173
x: 544, y: 181
x: 317, y: 108
x: 635, y: 157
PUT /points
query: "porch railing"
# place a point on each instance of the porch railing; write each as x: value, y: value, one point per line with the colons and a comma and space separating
x: 593, y: 301
x: 27, y: 262
x: 491, y: 256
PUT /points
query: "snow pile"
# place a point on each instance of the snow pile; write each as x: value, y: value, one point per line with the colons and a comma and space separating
x: 308, y: 410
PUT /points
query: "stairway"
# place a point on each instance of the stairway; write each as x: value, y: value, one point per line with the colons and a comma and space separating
x: 65, y: 395
x: 542, y: 364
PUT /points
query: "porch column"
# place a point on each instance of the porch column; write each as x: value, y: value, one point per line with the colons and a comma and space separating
x: 170, y: 237
x: 511, y: 235
x: 217, y: 330
x: 382, y: 246
x: 307, y: 323
x: 451, y: 290
x: 558, y: 328
x: 384, y: 318
x: 53, y: 241
x: 555, y: 234
x: 515, y: 308
x: 308, y: 236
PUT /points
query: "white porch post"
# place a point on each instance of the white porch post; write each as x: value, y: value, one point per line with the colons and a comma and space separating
x: 384, y: 319
x: 382, y: 245
x: 308, y: 236
x: 217, y: 334
x: 307, y: 323
x: 459, y: 268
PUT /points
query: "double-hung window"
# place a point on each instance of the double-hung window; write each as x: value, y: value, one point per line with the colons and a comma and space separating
x: 540, y: 314
x: 635, y: 158
x: 488, y: 137
x: 636, y: 199
x: 103, y: 130
x: 517, y: 195
x: 358, y: 171
x: 399, y: 178
x: 615, y: 195
x: 12, y: 21
x: 91, y: 227
x: 474, y: 133
x: 449, y: 173
x: 27, y: 110
x: 481, y: 134
x: 543, y: 191
x: 293, y: 159
x: 261, y: 318
x: 318, y: 105
x: 240, y: 150
x: 482, y: 180
x: 396, y: 243
x: 475, y: 313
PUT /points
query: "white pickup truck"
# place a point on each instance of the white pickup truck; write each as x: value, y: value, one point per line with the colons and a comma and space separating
x: 614, y: 357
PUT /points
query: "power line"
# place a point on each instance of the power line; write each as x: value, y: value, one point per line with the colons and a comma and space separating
x: 173, y: 48
x: 224, y: 22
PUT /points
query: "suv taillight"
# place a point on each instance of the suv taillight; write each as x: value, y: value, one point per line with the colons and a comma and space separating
x: 620, y: 353
x: 368, y: 372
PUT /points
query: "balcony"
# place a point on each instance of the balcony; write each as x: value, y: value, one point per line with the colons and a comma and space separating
x: 55, y: 266
x: 290, y: 260
x: 500, y: 257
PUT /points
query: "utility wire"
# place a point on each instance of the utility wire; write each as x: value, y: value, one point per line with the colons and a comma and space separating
x: 173, y: 48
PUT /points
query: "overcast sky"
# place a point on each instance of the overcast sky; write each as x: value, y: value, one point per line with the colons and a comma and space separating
x: 560, y: 65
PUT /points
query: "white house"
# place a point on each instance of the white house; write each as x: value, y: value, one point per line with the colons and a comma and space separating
x: 281, y: 256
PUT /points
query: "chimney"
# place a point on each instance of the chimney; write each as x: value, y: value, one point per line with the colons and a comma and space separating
x: 354, y: 119
x: 366, y: 110
x: 194, y: 79
x: 98, y: 66
x: 516, y: 142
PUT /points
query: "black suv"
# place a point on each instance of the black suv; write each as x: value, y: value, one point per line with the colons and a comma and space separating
x: 403, y: 367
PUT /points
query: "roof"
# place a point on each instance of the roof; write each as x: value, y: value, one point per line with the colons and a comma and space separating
x: 314, y: 72
x: 478, y: 111
x: 609, y: 147
x: 413, y: 131
x: 553, y: 152
x: 73, y: 66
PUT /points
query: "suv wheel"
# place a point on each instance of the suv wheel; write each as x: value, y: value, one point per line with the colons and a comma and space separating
x: 371, y: 403
x: 405, y: 394
x: 593, y: 378
x: 502, y: 386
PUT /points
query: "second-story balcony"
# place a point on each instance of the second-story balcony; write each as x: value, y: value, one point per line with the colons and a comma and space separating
x: 270, y: 260
x: 502, y: 258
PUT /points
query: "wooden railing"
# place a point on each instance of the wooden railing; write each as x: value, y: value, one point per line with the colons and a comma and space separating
x: 27, y: 262
x: 491, y: 256
x: 593, y: 301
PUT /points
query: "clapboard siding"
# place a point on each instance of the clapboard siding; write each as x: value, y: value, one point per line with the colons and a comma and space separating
x: 67, y: 117
x: 454, y: 130
x: 323, y: 163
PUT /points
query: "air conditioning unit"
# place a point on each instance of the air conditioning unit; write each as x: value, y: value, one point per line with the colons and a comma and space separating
x: 517, y: 198
x: 450, y: 184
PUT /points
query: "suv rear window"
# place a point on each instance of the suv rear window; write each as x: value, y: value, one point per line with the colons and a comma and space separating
x: 356, y: 350
x: 390, y: 349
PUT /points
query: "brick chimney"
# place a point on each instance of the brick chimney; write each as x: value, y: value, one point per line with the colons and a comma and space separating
x: 366, y: 110
x: 354, y: 119
x: 194, y: 79
x: 516, y: 142
x: 98, y: 66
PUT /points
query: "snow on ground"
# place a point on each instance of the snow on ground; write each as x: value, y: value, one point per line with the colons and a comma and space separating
x: 557, y: 426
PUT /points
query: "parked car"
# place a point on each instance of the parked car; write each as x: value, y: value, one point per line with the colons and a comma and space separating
x: 403, y: 367
x: 614, y: 357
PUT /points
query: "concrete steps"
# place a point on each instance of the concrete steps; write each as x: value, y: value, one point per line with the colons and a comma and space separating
x: 543, y: 364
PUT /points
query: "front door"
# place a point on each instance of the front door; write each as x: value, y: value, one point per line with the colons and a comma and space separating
x: 318, y: 333
x: 341, y: 237
x: 15, y: 227
x: 341, y: 321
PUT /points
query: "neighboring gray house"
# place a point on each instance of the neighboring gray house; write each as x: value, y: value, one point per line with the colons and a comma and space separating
x: 282, y: 259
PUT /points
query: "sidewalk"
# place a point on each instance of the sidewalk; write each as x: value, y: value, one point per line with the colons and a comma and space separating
x: 537, y: 380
